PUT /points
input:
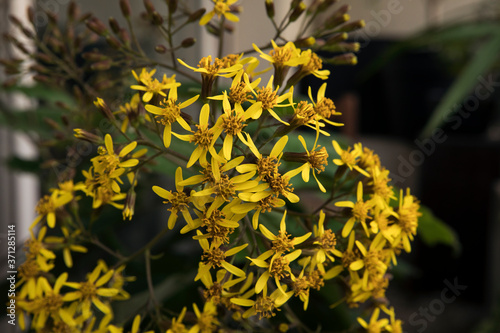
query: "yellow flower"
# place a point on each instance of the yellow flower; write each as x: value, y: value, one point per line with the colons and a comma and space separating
x: 206, y: 320
x: 313, y: 66
x: 221, y: 8
x: 278, y: 267
x: 132, y: 112
x: 90, y: 291
x: 317, y: 159
x: 374, y: 260
x: 375, y: 325
x: 153, y: 86
x: 35, y: 247
x: 102, y: 188
x: 407, y: 215
x: 204, y: 138
x: 265, y: 306
x: 67, y: 243
x: 218, y: 223
x: 110, y: 163
x: 49, y: 303
x: 170, y: 112
x: 209, y: 71
x: 214, y: 256
x: 176, y: 325
x: 232, y: 122
x: 282, y: 57
x: 267, y: 168
x: 135, y: 327
x: 326, y: 242
x: 324, y: 108
x: 239, y: 92
x: 48, y: 206
x: 360, y: 211
x: 395, y: 325
x: 220, y: 291
x: 268, y: 98
x: 29, y: 273
x: 382, y: 192
x: 281, y: 242
x: 349, y: 158
x: 179, y: 200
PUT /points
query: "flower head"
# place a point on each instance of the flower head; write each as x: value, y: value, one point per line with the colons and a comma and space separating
x: 221, y: 8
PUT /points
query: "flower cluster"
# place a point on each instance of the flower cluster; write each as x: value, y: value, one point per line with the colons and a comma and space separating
x: 238, y: 145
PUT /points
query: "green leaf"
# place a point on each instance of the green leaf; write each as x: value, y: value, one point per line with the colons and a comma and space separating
x: 433, y: 231
x: 483, y: 60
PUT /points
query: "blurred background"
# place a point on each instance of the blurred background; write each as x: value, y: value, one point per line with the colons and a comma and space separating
x: 424, y: 95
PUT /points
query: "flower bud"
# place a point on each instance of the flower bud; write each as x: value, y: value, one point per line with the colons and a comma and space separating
x: 40, y: 69
x: 101, y: 65
x: 15, y: 21
x: 103, y: 107
x: 270, y: 8
x: 294, y: 4
x: 125, y: 8
x: 305, y: 42
x: 188, y: 42
x: 337, y: 38
x: 161, y: 49
x: 344, y: 59
x: 172, y: 6
x: 299, y: 9
x: 52, y: 123
x: 342, y: 47
x: 124, y: 36
x: 149, y: 7
x: 44, y: 58
x: 128, y: 210
x: 104, y: 85
x: 157, y: 19
x: 56, y: 45
x: 94, y: 56
x: 324, y: 6
x: 52, y: 18
x: 336, y: 21
x: 73, y: 11
x: 196, y: 15
x: 113, y: 23
x: 31, y: 14
x: 87, y: 136
x: 113, y: 42
x: 352, y: 26
x: 41, y: 79
x: 95, y: 25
